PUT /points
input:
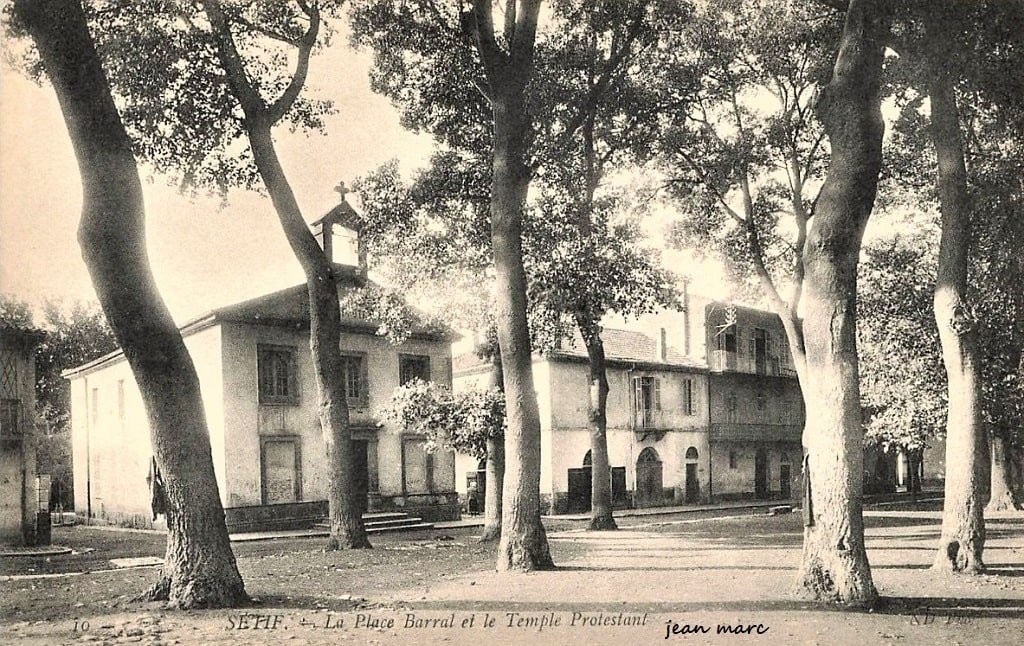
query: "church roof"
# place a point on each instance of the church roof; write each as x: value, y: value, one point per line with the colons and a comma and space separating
x: 289, y: 307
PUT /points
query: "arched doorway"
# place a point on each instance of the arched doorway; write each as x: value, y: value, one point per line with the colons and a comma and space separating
x: 692, y: 483
x: 580, y: 481
x: 785, y: 491
x: 648, y: 478
x: 761, y: 474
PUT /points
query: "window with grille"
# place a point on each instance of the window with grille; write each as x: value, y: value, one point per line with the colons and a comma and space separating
x: 355, y: 379
x: 689, y: 407
x: 278, y: 383
x: 413, y: 366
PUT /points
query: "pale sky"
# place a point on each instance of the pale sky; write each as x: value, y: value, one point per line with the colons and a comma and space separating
x: 203, y: 256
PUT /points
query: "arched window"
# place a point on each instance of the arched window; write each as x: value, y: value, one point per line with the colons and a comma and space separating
x: 588, y: 459
x: 691, y: 453
x: 648, y: 456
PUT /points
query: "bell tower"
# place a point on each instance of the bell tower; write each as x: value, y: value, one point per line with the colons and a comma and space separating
x: 338, y: 233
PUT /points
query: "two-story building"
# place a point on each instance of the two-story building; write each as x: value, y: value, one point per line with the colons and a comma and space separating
x: 657, y: 423
x: 757, y: 415
x: 259, y: 392
x: 755, y: 407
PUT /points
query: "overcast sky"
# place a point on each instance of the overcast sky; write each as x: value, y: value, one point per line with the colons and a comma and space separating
x: 202, y: 256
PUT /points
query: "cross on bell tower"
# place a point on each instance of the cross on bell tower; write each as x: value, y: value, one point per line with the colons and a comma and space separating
x: 338, y: 233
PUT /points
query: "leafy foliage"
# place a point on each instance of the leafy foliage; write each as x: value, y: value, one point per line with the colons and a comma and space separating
x: 15, y: 312
x: 903, y: 382
x: 461, y: 421
x: 173, y: 96
x: 748, y: 152
x: 595, y: 63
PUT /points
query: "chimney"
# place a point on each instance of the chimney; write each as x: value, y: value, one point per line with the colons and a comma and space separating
x: 660, y: 346
x: 686, y: 317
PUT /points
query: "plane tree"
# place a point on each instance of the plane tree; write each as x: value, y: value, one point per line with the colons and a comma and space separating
x: 205, y: 84
x: 199, y: 568
x: 903, y: 383
x: 961, y: 122
x: 826, y: 85
x: 597, y: 97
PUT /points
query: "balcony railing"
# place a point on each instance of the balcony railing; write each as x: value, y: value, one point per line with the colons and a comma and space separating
x: 648, y: 419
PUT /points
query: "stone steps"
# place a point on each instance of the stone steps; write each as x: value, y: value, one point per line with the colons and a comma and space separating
x: 380, y: 522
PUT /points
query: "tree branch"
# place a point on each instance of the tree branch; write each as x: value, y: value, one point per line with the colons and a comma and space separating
x: 480, y: 25
x: 305, y: 44
x: 237, y: 77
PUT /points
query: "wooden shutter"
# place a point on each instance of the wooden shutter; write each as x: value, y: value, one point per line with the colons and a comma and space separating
x: 657, y: 394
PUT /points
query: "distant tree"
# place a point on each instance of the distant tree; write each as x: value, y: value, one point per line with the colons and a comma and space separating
x: 76, y: 333
x: 15, y: 312
x: 596, y: 97
x: 454, y: 52
x: 199, y: 568
x: 960, y: 146
x: 601, y: 94
x: 903, y: 384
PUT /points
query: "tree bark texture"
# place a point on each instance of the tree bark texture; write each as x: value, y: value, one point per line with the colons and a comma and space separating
x: 344, y: 507
x: 834, y: 565
x: 524, y: 543
x: 495, y: 467
x: 963, y: 523
x: 600, y: 470
x: 199, y: 570
x: 1003, y: 497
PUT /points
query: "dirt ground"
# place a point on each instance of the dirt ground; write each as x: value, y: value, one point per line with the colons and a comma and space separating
x: 681, y: 579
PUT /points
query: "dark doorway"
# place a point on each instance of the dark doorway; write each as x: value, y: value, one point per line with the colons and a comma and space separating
x: 761, y: 474
x: 785, y: 491
x: 648, y: 478
x: 476, y: 488
x: 580, y: 487
x: 579, y: 490
x: 360, y: 474
x: 619, y: 487
x: 760, y: 350
x: 692, y: 483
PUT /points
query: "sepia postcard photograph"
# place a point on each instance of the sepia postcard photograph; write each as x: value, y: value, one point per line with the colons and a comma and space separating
x: 512, y: 322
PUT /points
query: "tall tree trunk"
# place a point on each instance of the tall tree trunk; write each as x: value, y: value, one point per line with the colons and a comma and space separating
x: 601, y: 479
x: 199, y: 570
x: 586, y: 320
x: 495, y: 467
x: 834, y: 566
x: 1003, y: 497
x: 524, y: 543
x: 963, y: 523
x: 344, y: 506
